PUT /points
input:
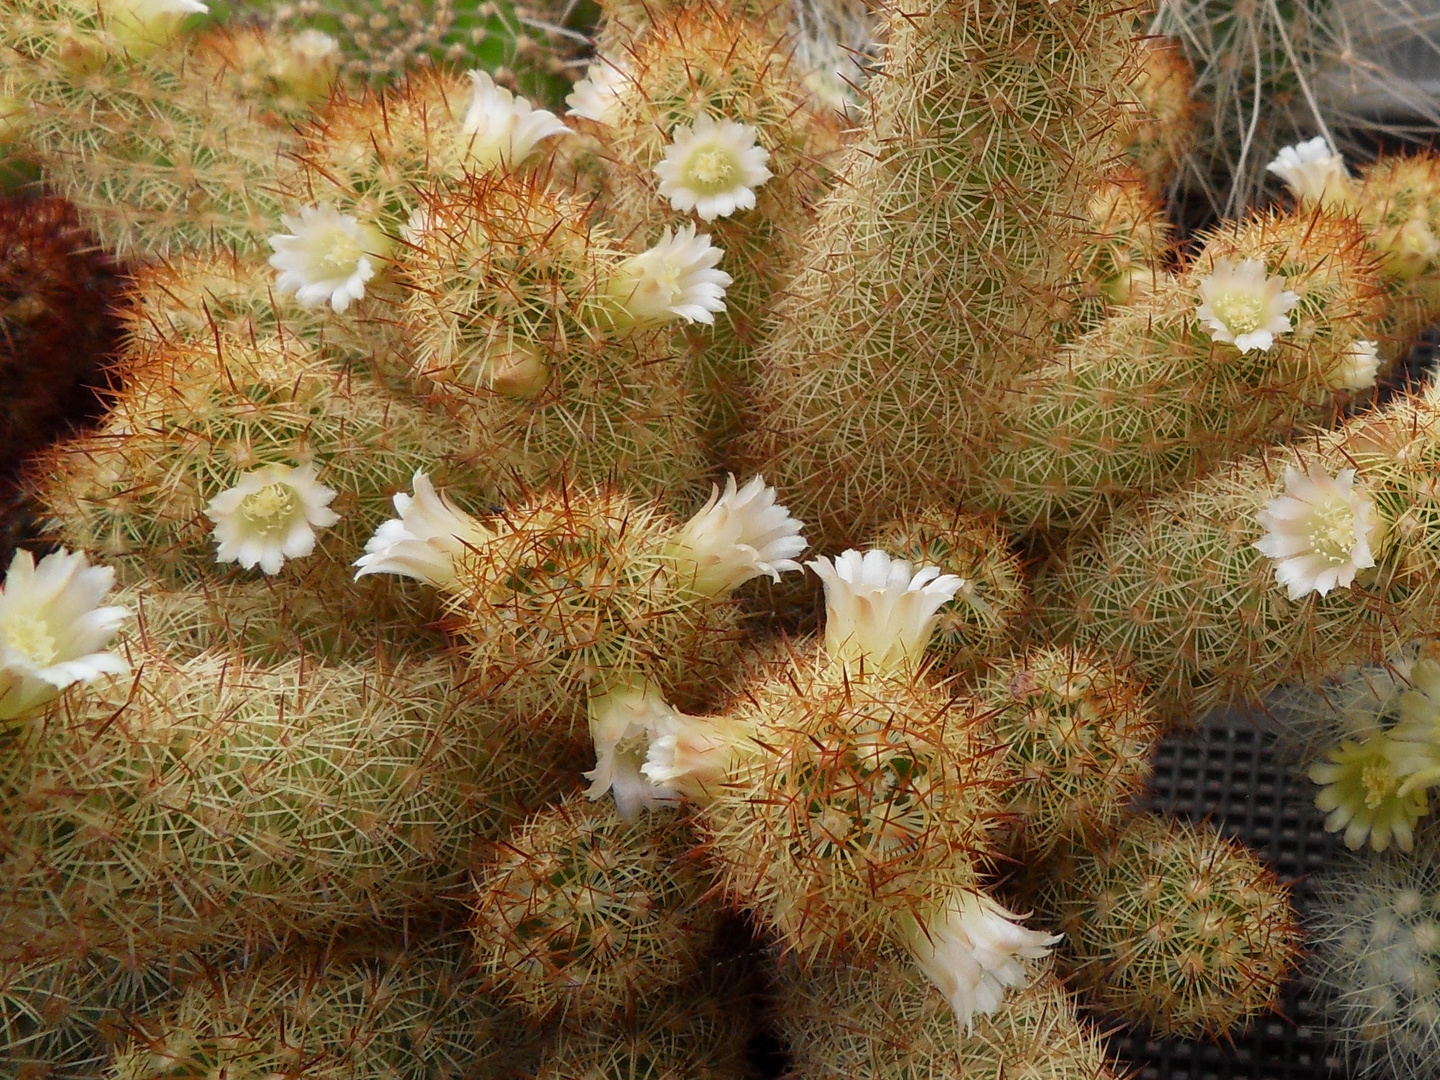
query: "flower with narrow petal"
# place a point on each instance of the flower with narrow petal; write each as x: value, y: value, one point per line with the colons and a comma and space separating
x: 1320, y: 532
x: 271, y: 515
x: 1414, y: 746
x: 327, y: 256
x: 53, y: 629
x: 622, y: 721
x: 691, y: 755
x: 597, y: 95
x: 1241, y: 306
x: 504, y: 129
x: 427, y: 542
x: 1357, y: 366
x: 675, y: 279
x: 879, y: 611
x: 1362, y: 792
x: 736, y: 536
x: 713, y: 168
x: 1312, y: 170
x: 973, y: 951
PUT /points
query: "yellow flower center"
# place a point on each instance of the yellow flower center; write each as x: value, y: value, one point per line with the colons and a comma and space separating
x: 271, y: 509
x: 1378, y: 783
x: 1331, y: 531
x: 1240, y: 312
x: 30, y: 635
x: 711, y: 170
x: 337, y: 253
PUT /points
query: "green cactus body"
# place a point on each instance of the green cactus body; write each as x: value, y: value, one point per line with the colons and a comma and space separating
x: 588, y: 916
x: 1173, y: 926
x: 1178, y: 587
x: 355, y: 1011
x: 157, y: 160
x: 513, y: 336
x: 1078, y: 734
x: 942, y: 259
x: 209, y: 802
x: 883, y: 1022
x: 1148, y: 400
x: 1398, y: 201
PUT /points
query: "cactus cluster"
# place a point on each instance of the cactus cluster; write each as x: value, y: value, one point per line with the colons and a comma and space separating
x: 399, y: 705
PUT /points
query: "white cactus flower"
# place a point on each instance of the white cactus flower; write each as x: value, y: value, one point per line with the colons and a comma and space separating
x: 675, y: 279
x: 1241, y: 306
x: 691, y: 755
x: 426, y: 541
x: 713, y: 168
x: 878, y: 610
x: 504, y: 129
x: 327, y: 257
x: 972, y: 952
x: 597, y: 95
x: 1311, y: 170
x: 53, y: 630
x: 142, y: 26
x: 1320, y: 532
x: 622, y: 722
x: 1358, y: 366
x: 736, y: 536
x: 271, y: 515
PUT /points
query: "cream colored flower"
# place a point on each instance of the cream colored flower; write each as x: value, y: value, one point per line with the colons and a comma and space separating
x: 973, y: 951
x: 1361, y: 792
x: 597, y: 96
x: 271, y: 515
x: 1321, y: 531
x: 504, y: 129
x: 1241, y: 306
x: 142, y: 26
x: 426, y: 541
x: 307, y: 64
x: 52, y: 629
x: 691, y: 755
x: 1358, y: 366
x: 878, y: 611
x: 675, y: 279
x: 1414, y: 747
x: 1312, y: 171
x: 736, y: 536
x: 622, y: 722
x: 327, y: 256
x: 713, y: 168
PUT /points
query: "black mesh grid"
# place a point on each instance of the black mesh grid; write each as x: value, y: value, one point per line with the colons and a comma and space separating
x: 1226, y: 771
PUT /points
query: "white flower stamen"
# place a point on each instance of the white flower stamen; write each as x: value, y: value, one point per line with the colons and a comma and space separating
x: 326, y: 257
x: 972, y: 952
x: 271, y: 515
x: 504, y: 129
x: 428, y: 540
x: 713, y: 168
x: 1241, y: 306
x: 1321, y: 531
x: 1312, y: 170
x: 737, y: 536
x: 878, y: 611
x: 52, y: 629
x: 675, y: 279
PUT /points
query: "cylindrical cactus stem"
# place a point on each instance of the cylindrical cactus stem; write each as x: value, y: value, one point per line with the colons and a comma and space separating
x: 197, y: 296
x: 1167, y: 127
x: 1283, y: 567
x: 1177, y: 381
x: 588, y: 916
x: 943, y: 260
x: 708, y: 79
x: 872, y: 1019
x: 1172, y: 926
x: 972, y: 629
x: 211, y: 802
x: 1398, y: 201
x: 1078, y: 733
x: 1127, y: 251
x: 514, y: 331
x: 1375, y: 952
x: 352, y: 1011
x: 158, y: 153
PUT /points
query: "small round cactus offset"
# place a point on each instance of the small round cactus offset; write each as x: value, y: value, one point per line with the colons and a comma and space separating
x: 1174, y: 926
